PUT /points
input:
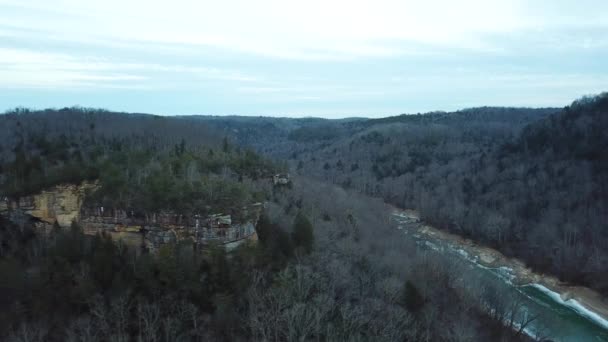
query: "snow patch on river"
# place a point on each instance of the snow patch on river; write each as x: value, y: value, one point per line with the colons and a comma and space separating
x: 573, y: 304
x: 463, y: 253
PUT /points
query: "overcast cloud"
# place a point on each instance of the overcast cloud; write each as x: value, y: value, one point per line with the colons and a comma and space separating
x: 306, y: 58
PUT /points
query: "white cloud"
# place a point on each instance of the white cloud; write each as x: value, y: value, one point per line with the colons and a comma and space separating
x: 27, y: 68
x: 24, y: 68
x: 308, y: 30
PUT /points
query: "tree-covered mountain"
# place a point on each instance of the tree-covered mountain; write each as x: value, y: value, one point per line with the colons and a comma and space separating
x: 142, y: 162
x: 530, y: 182
x: 280, y: 137
x: 319, y: 255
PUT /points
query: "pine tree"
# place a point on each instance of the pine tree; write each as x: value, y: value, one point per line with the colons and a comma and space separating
x: 411, y: 297
x: 302, y: 234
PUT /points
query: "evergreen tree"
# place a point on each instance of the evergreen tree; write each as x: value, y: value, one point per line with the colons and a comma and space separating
x: 411, y: 297
x: 302, y: 234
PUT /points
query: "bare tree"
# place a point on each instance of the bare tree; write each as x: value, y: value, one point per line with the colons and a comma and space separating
x: 29, y: 332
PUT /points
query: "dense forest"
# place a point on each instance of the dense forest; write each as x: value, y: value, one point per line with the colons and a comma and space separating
x: 313, y: 275
x: 530, y: 182
x: 141, y: 162
x: 328, y: 264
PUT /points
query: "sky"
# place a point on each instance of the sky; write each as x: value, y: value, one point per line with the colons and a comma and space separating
x: 327, y: 58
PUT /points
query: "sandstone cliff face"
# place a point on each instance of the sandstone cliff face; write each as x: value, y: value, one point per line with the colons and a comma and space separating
x: 162, y: 228
x: 59, y: 204
x: 64, y: 204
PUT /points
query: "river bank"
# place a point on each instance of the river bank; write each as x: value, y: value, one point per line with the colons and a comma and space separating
x: 583, y: 300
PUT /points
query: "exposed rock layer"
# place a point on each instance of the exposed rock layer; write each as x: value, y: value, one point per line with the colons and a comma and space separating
x: 63, y: 204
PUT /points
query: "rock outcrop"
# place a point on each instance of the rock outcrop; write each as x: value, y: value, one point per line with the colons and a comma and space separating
x: 166, y: 227
x: 63, y: 204
x: 60, y: 204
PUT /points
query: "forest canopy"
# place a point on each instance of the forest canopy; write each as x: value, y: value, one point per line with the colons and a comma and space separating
x: 169, y: 164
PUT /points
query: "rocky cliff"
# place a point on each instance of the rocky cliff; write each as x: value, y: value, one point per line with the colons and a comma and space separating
x: 161, y: 228
x: 61, y: 204
x: 64, y: 204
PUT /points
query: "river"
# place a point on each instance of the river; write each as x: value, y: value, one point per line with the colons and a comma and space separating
x: 556, y: 319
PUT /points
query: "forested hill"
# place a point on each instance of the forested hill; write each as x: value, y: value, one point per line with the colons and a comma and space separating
x: 328, y: 257
x: 82, y: 123
x: 532, y: 183
x: 279, y: 137
x: 144, y: 162
x: 552, y: 185
x: 577, y: 133
x: 284, y: 138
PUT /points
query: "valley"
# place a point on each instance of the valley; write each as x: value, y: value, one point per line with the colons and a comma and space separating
x: 306, y: 171
x: 232, y: 216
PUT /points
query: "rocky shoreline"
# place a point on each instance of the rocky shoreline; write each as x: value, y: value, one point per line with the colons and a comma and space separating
x: 588, y: 300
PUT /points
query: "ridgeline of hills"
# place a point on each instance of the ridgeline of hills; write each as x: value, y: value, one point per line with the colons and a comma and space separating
x: 282, y: 137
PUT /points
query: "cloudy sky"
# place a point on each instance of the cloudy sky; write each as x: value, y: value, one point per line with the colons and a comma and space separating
x: 328, y: 58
